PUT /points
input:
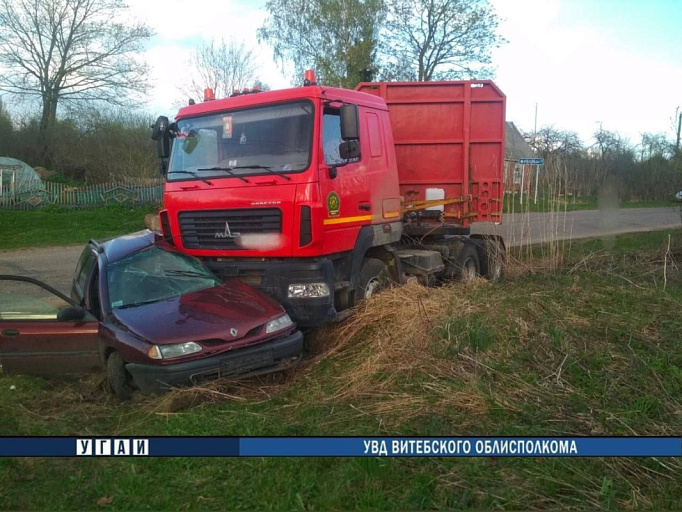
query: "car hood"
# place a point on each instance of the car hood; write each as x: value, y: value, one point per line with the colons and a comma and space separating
x: 228, y: 312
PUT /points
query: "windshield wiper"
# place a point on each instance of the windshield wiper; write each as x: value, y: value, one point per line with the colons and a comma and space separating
x: 192, y: 173
x: 187, y: 273
x: 228, y: 170
x: 265, y: 168
x: 135, y: 304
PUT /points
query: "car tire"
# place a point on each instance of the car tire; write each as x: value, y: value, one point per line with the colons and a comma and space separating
x: 493, y: 260
x: 466, y: 265
x: 118, y: 378
x: 373, y: 278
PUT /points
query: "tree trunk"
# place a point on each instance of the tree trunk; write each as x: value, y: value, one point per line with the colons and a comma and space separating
x: 47, y: 120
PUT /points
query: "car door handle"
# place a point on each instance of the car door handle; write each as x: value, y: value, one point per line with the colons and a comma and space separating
x: 365, y: 206
x: 10, y: 332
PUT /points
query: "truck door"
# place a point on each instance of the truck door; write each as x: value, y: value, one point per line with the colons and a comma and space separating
x: 35, y: 338
x: 347, y: 196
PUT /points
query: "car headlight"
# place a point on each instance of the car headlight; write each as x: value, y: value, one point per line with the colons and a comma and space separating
x: 278, y: 324
x: 313, y: 290
x: 172, y: 351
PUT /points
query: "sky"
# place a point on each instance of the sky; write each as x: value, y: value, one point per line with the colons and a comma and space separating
x: 583, y: 62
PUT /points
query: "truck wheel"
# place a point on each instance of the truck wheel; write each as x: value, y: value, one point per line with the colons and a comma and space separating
x: 373, y: 278
x: 466, y: 266
x: 118, y: 378
x: 492, y: 258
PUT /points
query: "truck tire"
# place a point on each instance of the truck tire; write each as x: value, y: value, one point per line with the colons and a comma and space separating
x: 493, y: 259
x: 118, y: 378
x: 466, y: 265
x: 373, y: 278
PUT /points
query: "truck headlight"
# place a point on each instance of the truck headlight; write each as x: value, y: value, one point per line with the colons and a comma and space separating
x: 278, y: 324
x: 313, y: 290
x: 172, y: 351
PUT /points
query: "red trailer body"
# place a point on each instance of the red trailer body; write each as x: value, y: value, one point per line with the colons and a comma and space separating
x: 448, y: 136
x: 264, y: 188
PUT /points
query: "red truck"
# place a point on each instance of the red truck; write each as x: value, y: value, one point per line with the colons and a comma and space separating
x: 319, y: 195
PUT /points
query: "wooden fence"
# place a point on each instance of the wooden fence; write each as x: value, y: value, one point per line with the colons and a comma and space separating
x: 37, y: 194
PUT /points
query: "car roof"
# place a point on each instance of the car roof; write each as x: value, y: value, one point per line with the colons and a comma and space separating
x: 118, y: 248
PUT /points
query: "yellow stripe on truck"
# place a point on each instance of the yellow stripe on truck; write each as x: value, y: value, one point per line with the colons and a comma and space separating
x: 345, y: 220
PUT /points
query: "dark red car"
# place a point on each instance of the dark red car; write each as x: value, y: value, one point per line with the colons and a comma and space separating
x: 152, y: 316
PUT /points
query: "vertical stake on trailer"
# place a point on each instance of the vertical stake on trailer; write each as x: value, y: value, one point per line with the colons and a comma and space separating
x: 523, y: 175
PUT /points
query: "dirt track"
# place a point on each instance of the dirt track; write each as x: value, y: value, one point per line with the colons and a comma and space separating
x: 521, y: 229
x: 55, y: 265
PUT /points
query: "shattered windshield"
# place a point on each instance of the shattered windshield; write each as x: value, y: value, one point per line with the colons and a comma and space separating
x: 153, y: 275
x: 259, y: 140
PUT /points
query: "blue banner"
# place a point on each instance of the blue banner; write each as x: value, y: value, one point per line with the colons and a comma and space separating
x: 340, y: 446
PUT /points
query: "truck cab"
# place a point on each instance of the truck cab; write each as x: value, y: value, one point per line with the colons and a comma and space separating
x: 286, y: 190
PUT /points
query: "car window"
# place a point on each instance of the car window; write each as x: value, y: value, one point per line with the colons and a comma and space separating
x: 331, y: 136
x: 155, y: 274
x: 21, y: 300
x: 85, y: 264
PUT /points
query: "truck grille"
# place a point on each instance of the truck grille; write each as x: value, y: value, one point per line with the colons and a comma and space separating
x: 216, y: 229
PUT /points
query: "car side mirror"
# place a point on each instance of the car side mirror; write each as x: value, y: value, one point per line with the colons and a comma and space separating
x: 349, y: 150
x: 71, y: 314
x: 350, y: 123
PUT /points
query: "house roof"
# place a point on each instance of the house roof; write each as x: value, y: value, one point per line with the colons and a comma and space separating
x: 516, y: 146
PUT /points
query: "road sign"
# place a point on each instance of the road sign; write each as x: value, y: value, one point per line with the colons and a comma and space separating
x: 531, y: 161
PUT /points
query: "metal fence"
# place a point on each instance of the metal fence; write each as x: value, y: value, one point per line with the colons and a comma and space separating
x: 38, y: 194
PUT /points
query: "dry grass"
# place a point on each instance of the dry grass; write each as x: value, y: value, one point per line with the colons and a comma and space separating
x: 385, y: 350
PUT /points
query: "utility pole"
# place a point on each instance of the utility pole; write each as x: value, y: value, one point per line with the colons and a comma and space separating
x: 679, y: 129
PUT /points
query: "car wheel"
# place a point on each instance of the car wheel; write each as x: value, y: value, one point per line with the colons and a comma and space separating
x: 466, y: 265
x: 373, y: 278
x: 493, y: 259
x: 118, y: 378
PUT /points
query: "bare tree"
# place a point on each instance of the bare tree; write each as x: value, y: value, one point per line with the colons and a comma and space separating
x: 438, y: 39
x: 550, y: 141
x: 222, y: 67
x: 69, y: 51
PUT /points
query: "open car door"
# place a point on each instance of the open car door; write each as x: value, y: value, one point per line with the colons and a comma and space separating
x: 42, y: 331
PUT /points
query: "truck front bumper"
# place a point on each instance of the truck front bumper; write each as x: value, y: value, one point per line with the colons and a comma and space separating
x: 274, y: 355
x: 274, y: 277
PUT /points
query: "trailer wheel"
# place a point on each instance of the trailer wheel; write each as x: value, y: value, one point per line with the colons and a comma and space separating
x: 373, y: 278
x: 493, y: 260
x: 118, y: 378
x: 467, y: 265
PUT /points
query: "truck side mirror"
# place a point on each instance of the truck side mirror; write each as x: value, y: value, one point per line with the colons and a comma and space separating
x: 163, y: 147
x: 160, y: 127
x: 350, y: 123
x: 162, y: 134
x: 349, y: 150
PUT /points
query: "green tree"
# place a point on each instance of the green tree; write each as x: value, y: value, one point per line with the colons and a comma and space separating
x: 337, y: 38
x: 438, y: 39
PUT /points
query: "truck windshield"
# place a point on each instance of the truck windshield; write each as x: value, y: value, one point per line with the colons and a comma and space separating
x: 258, y: 140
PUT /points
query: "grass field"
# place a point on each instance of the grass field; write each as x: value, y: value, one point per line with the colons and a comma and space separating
x: 591, y: 349
x: 547, y: 204
x: 63, y: 226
